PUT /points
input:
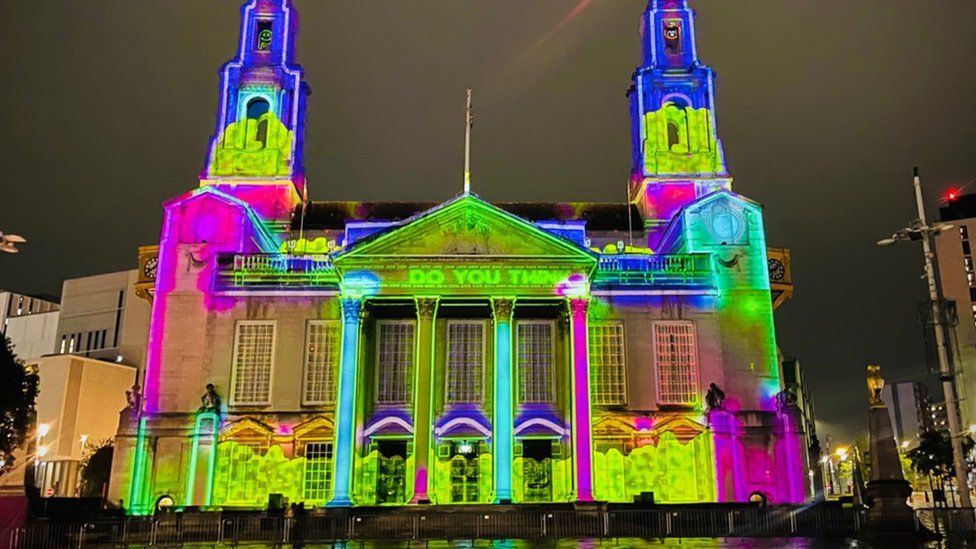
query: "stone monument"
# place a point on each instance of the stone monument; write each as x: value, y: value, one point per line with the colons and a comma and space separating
x: 886, y: 487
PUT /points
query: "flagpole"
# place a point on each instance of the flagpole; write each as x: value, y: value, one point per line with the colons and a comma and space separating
x: 468, y: 123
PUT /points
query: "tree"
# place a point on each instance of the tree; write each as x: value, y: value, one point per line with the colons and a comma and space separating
x: 18, y: 389
x: 933, y: 455
x: 96, y: 468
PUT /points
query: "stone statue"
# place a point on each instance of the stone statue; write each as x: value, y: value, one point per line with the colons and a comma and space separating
x: 134, y: 398
x: 715, y: 398
x: 875, y: 385
x: 210, y: 400
x: 786, y: 397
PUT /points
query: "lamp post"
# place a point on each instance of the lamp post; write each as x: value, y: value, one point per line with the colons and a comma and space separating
x: 921, y: 230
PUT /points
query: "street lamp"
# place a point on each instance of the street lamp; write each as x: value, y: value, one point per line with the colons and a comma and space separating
x: 920, y: 229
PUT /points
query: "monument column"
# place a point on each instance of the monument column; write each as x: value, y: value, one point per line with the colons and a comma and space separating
x: 502, y: 422
x: 582, y: 425
x: 352, y: 309
x: 426, y: 314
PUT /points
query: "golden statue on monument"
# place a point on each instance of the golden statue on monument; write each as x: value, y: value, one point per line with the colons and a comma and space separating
x: 875, y: 385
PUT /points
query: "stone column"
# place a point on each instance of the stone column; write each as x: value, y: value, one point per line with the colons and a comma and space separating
x: 502, y: 423
x: 582, y: 425
x: 345, y: 443
x: 424, y: 395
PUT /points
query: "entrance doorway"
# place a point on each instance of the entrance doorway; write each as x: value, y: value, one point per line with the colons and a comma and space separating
x: 537, y: 470
x: 391, y: 480
x: 465, y: 472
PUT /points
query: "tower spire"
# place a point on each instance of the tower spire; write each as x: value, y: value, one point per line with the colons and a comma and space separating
x: 260, y: 130
x: 677, y: 154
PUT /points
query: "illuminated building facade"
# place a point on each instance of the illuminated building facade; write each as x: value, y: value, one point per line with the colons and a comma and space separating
x: 459, y: 352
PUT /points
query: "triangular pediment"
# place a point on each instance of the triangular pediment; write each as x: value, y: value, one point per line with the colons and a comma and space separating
x: 248, y: 429
x: 466, y: 227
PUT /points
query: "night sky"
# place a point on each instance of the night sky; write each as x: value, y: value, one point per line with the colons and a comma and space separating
x: 824, y: 106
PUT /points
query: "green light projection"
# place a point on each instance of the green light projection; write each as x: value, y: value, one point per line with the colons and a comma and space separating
x: 676, y: 472
x: 542, y: 480
x: 680, y: 141
x: 259, y: 147
x: 382, y: 480
x: 245, y: 478
x: 462, y: 479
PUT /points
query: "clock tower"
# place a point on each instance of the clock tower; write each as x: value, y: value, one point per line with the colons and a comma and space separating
x: 260, y: 134
x: 677, y: 155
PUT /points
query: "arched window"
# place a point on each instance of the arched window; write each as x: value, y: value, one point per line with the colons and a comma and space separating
x: 257, y: 107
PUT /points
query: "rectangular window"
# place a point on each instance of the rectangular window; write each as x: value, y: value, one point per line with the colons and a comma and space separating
x: 465, y: 361
x: 322, y: 340
x: 265, y: 34
x: 672, y: 36
x: 963, y: 232
x: 317, y: 486
x: 676, y: 357
x: 253, y: 361
x: 64, y: 344
x: 534, y: 345
x: 394, y: 361
x: 607, y: 373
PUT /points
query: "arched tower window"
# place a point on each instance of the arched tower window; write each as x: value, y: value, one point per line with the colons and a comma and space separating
x: 257, y: 107
x: 676, y: 114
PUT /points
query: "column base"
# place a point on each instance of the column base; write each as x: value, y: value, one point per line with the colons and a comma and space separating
x: 340, y: 501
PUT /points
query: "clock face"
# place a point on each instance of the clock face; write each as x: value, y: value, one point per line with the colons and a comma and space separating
x: 776, y: 270
x: 149, y: 269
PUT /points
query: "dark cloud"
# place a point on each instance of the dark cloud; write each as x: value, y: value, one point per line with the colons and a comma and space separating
x: 824, y: 107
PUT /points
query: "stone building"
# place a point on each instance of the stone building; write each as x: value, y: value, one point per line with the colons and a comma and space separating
x: 361, y: 353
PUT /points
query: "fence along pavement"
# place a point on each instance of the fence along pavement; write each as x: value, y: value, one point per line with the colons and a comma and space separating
x: 178, y: 529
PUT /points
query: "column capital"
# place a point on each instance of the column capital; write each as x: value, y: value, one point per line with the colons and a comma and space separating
x: 502, y: 308
x: 579, y: 306
x: 427, y: 307
x: 352, y: 308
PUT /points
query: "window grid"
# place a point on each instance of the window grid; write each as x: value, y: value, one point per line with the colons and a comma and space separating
x: 607, y: 370
x: 535, y: 357
x: 465, y: 362
x: 253, y: 361
x: 676, y: 357
x: 394, y: 362
x: 322, y: 344
x: 317, y: 485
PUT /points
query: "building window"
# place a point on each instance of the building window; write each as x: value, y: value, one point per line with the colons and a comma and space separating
x: 394, y: 361
x: 265, y: 35
x: 253, y: 361
x: 322, y: 341
x: 317, y: 486
x: 676, y: 357
x: 534, y: 344
x: 672, y: 37
x: 465, y: 361
x: 607, y: 373
x: 257, y: 107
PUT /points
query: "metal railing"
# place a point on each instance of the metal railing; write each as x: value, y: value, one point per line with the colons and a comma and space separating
x: 250, y: 270
x: 638, y: 269
x: 513, y: 523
